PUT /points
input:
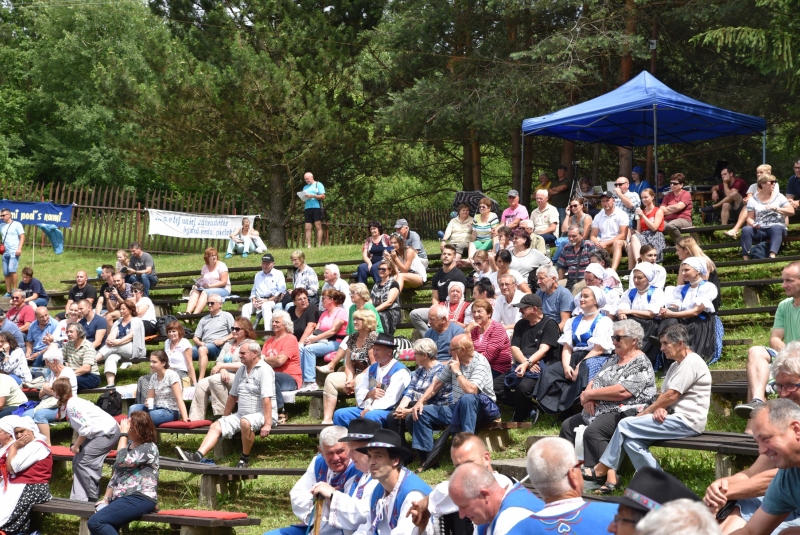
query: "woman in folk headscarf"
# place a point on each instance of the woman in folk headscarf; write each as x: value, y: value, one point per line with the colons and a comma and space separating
x: 586, y: 345
x: 594, y: 278
x: 456, y: 304
x: 642, y: 303
x: 692, y: 304
x: 26, y: 466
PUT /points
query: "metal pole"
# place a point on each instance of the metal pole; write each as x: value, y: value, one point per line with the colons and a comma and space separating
x: 764, y: 147
x: 655, y: 148
x: 522, y: 168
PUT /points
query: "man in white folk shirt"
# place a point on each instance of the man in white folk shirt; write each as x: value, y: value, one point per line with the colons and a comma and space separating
x: 398, y: 488
x: 466, y: 448
x: 349, y: 507
x: 269, y: 286
x: 334, y: 467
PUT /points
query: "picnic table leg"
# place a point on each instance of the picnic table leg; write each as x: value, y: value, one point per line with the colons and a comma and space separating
x: 495, y: 439
x: 315, y: 408
x: 84, y: 529
x: 208, y: 490
x: 198, y: 530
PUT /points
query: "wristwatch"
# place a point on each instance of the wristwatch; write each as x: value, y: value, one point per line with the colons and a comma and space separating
x: 123, y: 435
x: 459, y: 374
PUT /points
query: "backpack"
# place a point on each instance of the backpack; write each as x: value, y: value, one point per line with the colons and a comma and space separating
x: 162, y: 322
x: 111, y: 402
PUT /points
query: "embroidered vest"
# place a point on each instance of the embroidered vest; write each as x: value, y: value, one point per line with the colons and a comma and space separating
x: 583, y: 340
x: 339, y: 480
x: 633, y: 291
x: 410, y: 483
x: 518, y: 496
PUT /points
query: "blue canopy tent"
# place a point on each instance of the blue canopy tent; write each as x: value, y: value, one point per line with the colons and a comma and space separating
x: 642, y: 112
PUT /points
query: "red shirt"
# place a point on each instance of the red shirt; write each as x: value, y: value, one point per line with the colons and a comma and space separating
x: 494, y: 345
x: 285, y: 346
x: 739, y: 185
x: 651, y: 215
x: 684, y: 197
x: 21, y: 316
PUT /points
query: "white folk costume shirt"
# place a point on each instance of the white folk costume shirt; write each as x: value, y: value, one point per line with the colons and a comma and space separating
x: 303, y: 501
x: 349, y: 509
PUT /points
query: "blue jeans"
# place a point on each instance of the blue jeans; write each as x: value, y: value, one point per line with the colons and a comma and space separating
x: 11, y: 261
x: 560, y: 243
x: 634, y: 436
x: 222, y: 292
x: 39, y: 302
x: 346, y: 415
x: 362, y: 273
x: 213, y: 351
x: 422, y: 431
x: 149, y: 281
x: 118, y: 513
x: 549, y: 239
x: 283, y: 383
x: 297, y: 529
x: 468, y: 408
x: 159, y: 415
x: 309, y: 354
x: 774, y: 234
x: 42, y: 416
x: 87, y: 381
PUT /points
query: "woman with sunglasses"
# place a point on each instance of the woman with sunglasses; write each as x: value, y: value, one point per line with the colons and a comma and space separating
x: 625, y: 385
x: 586, y: 345
x: 385, y: 297
x: 218, y: 384
x: 575, y: 216
x: 767, y: 211
x: 650, y: 230
x: 483, y: 224
x: 411, y: 272
x: 677, y: 207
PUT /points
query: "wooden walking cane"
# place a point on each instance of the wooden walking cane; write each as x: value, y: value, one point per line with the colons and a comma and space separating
x: 318, y: 503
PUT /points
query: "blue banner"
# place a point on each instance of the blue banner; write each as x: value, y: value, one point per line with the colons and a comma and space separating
x: 35, y: 213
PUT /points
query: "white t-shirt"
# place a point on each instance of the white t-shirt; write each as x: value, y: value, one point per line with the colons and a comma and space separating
x: 66, y: 373
x: 213, y: 276
x: 163, y: 389
x: 177, y: 361
x: 609, y: 225
x: 150, y: 314
x: 692, y: 380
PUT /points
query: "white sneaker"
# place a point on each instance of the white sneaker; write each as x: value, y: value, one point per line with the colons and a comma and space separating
x: 324, y: 369
x: 125, y: 365
x: 307, y: 387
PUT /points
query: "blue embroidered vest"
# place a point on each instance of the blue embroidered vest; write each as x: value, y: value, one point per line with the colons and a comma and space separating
x: 411, y: 483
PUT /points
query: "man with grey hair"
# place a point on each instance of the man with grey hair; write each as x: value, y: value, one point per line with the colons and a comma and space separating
x: 269, y: 287
x: 496, y: 510
x: 679, y: 517
x: 747, y: 488
x: 35, y: 344
x: 505, y: 313
x: 253, y: 389
x: 442, y: 331
x: 412, y: 240
x: 211, y: 334
x: 545, y: 217
x: 334, y: 466
x: 555, y: 473
x: 557, y: 303
x: 333, y: 280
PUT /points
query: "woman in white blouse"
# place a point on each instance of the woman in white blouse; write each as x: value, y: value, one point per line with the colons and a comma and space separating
x: 125, y: 341
x: 213, y: 280
x: 767, y: 211
x: 642, y: 303
x: 586, y: 345
x: 165, y: 391
x: 692, y: 304
x: 179, y: 351
x: 145, y: 309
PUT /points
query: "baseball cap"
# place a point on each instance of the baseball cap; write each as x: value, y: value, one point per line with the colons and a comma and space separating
x: 529, y: 300
x: 400, y: 223
x: 607, y: 194
x: 268, y: 258
x: 513, y: 193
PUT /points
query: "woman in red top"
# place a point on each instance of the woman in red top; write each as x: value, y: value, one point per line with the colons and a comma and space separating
x: 282, y: 352
x: 489, y: 338
x: 677, y: 207
x: 650, y: 230
x: 457, y: 305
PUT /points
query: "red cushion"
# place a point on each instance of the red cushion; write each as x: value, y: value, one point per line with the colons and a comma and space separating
x: 119, y: 417
x: 330, y: 356
x: 26, y: 390
x: 222, y: 515
x: 406, y: 355
x: 64, y: 450
x: 177, y: 424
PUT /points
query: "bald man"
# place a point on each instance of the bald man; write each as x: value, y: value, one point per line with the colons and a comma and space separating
x: 81, y: 290
x: 466, y: 448
x: 494, y: 509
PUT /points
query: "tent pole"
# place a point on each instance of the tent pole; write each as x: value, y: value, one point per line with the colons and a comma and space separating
x: 522, y: 167
x: 655, y: 150
x: 764, y: 147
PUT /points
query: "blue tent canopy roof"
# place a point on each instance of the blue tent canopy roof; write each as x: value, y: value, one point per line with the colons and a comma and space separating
x: 625, y: 117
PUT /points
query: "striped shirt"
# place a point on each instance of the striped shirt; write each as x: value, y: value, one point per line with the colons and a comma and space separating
x: 421, y: 379
x: 476, y: 372
x: 494, y: 345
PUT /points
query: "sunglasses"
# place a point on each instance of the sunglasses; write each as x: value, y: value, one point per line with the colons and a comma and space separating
x: 674, y: 183
x: 620, y: 183
x: 573, y: 206
x: 618, y: 337
x: 236, y: 329
x: 772, y: 181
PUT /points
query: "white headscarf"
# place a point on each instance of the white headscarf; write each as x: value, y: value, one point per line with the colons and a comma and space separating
x: 599, y: 295
x: 8, y: 423
x: 458, y: 284
x: 27, y: 422
x: 647, y: 269
x: 699, y: 264
x: 597, y: 270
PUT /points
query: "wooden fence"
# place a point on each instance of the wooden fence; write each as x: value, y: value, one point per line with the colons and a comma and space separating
x: 109, y: 217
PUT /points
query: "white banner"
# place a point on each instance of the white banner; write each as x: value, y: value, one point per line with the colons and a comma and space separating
x: 183, y: 225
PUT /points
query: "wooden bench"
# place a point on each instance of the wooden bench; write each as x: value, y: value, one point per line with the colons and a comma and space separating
x: 183, y: 525
x: 724, y: 445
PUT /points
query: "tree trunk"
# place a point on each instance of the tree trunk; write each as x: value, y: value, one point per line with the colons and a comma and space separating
x: 516, y: 159
x: 595, y: 163
x: 466, y: 180
x: 625, y: 162
x: 277, y: 232
x: 626, y: 66
x: 527, y: 177
x: 567, y: 156
x: 477, y: 184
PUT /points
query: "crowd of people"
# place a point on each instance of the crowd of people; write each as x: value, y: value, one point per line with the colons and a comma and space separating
x: 550, y: 327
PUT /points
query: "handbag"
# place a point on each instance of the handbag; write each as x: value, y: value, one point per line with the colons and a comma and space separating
x: 3, y: 245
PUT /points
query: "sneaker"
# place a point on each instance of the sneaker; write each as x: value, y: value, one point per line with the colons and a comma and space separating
x: 109, y: 387
x: 228, y: 255
x: 534, y: 416
x: 244, y: 255
x: 308, y: 387
x: 324, y: 369
x: 194, y: 456
x: 7, y: 295
x: 243, y: 463
x: 125, y: 365
x: 708, y: 209
x: 744, y: 410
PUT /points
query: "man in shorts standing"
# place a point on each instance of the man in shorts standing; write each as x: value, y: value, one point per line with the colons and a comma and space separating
x: 315, y: 193
x: 13, y: 236
x: 254, y: 389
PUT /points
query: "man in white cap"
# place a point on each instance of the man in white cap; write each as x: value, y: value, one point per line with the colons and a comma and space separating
x: 515, y: 211
x: 412, y: 240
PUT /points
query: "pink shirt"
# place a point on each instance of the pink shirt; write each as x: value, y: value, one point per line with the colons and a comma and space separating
x: 509, y: 214
x: 326, y: 321
x: 684, y: 197
x: 212, y: 277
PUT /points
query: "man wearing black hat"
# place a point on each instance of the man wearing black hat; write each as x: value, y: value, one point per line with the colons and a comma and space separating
x: 269, y: 286
x: 332, y: 466
x: 399, y: 488
x: 349, y: 507
x: 381, y: 387
x: 534, y: 343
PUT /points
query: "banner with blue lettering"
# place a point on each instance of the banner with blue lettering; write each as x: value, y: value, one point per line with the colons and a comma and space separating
x: 36, y: 213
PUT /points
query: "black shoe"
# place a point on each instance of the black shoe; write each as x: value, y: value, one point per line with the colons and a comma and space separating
x: 708, y: 209
x: 244, y: 462
x: 534, y: 416
x: 194, y: 456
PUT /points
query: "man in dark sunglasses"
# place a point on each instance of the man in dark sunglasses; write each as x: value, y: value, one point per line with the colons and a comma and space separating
x: 211, y: 334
